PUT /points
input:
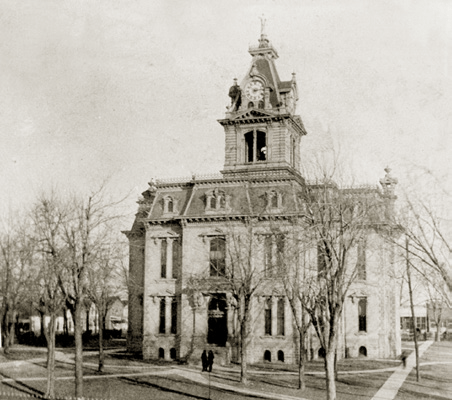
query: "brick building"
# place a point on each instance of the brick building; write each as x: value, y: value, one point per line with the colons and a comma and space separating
x: 182, y: 229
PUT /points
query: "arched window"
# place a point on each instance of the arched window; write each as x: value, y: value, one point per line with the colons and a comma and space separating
x: 217, y: 257
x: 250, y: 104
x: 169, y: 205
x: 274, y: 200
x: 161, y: 353
x: 172, y: 353
x: 363, y: 351
x: 260, y: 104
x: 211, y: 202
x: 267, y: 356
x: 362, y: 315
x: 280, y: 355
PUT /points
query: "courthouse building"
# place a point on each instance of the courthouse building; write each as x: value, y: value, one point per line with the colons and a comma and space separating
x: 179, y: 241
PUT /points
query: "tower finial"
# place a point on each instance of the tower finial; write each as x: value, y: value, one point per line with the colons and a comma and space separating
x: 263, y: 22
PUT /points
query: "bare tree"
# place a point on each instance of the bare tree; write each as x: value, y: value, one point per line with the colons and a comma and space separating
x: 85, y: 234
x: 292, y: 267
x: 244, y: 276
x: 104, y: 285
x: 16, y: 260
x: 49, y: 216
x: 429, y: 236
x: 234, y: 263
x: 337, y: 221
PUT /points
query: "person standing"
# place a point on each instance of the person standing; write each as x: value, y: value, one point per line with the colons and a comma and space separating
x: 210, y: 358
x: 204, y: 361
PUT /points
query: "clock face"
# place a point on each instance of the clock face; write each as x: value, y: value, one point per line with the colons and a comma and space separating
x: 254, y: 90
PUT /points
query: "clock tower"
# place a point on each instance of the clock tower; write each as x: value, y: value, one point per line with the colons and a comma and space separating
x: 262, y: 131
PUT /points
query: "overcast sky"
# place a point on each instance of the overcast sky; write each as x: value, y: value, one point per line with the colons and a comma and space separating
x: 131, y: 90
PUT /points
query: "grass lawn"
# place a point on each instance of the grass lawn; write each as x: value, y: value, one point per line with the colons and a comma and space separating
x: 277, y: 378
x: 436, y: 379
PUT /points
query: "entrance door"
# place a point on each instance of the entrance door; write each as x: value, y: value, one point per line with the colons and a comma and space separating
x: 217, y: 320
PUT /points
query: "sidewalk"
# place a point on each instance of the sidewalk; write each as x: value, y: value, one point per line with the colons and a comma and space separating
x: 391, y: 387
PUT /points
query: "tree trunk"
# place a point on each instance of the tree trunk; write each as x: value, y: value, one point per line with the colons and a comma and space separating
x: 243, y: 353
x: 87, y: 319
x: 301, y: 364
x: 335, y: 365
x: 42, y: 333
x: 7, y: 327
x: 329, y: 372
x: 438, y: 330
x: 101, y: 342
x: 410, y: 291
x: 50, y: 337
x: 78, y: 328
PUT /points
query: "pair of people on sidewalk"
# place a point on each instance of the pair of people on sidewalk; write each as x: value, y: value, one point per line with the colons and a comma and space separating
x: 207, y: 360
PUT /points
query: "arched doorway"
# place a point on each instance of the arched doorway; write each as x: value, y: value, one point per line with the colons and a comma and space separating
x: 267, y: 356
x: 217, y: 320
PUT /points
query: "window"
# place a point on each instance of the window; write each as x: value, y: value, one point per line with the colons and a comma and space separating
x: 174, y: 316
x: 250, y: 104
x: 162, y: 319
x: 255, y: 146
x: 217, y: 257
x: 176, y: 258
x: 280, y: 316
x: 274, y: 200
x: 260, y: 104
x: 363, y: 351
x: 361, y: 261
x: 161, y: 353
x: 280, y: 355
x: 169, y: 205
x: 268, y: 317
x: 362, y: 315
x: 217, y: 200
x: 163, y: 258
x: 267, y: 356
x: 172, y: 353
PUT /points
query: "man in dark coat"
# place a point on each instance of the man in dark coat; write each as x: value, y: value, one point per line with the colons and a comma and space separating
x: 204, y: 361
x: 210, y: 358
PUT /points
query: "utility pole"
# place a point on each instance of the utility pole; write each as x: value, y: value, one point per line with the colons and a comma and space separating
x: 408, y: 273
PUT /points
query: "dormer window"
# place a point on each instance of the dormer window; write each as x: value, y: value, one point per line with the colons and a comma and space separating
x: 255, y: 146
x: 274, y: 200
x: 217, y: 200
x: 169, y: 205
x: 250, y: 104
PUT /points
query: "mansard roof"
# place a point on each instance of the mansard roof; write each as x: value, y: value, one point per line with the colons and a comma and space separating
x: 245, y: 197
